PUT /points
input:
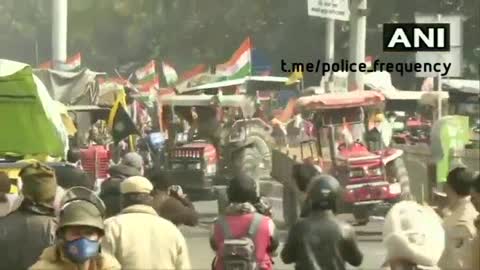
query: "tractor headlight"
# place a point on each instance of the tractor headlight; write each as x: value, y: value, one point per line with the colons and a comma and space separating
x: 177, y: 166
x: 375, y: 171
x: 195, y: 166
x: 355, y: 174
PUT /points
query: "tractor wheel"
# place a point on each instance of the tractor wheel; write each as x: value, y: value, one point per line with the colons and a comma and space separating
x: 255, y: 160
x: 400, y: 173
x: 361, y: 213
x: 248, y: 161
x: 291, y: 205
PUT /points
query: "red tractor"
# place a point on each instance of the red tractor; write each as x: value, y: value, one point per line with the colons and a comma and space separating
x: 373, y: 176
x: 411, y: 114
x: 95, y: 159
x: 211, y: 137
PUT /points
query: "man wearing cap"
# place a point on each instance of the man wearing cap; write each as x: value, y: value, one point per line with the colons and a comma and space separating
x: 138, y: 237
x: 131, y: 165
x: 27, y: 231
x: 78, y: 240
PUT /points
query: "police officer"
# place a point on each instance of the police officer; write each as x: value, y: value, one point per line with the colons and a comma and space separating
x: 78, y: 237
x: 321, y: 241
x: 24, y: 233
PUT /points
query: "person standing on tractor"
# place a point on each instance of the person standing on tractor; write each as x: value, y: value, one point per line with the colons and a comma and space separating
x: 31, y: 228
x: 321, y: 241
x: 77, y: 245
x: 138, y: 237
x: 243, y: 229
x: 373, y: 136
x: 459, y: 221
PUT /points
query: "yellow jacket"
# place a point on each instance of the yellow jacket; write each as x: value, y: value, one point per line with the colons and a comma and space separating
x: 140, y: 239
x: 460, y: 231
x: 52, y: 258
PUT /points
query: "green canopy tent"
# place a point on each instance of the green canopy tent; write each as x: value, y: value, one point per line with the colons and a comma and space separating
x: 31, y: 123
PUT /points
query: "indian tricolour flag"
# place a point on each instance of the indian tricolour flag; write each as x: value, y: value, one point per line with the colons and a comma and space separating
x: 240, y: 65
x: 146, y: 73
x: 170, y: 74
x: 74, y: 62
x: 190, y: 76
x: 114, y: 83
x: 147, y: 77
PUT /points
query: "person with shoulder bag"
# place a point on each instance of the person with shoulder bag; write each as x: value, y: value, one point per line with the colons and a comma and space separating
x: 242, y: 238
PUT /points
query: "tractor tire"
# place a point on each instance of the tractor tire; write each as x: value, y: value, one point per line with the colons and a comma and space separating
x: 361, y: 213
x: 256, y: 159
x: 400, y: 173
x: 291, y: 206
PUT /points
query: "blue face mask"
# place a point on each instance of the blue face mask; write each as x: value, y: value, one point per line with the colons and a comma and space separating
x: 82, y: 249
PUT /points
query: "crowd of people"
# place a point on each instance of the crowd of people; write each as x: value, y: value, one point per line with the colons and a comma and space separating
x: 134, y: 224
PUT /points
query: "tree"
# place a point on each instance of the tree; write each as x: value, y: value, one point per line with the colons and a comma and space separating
x: 111, y: 33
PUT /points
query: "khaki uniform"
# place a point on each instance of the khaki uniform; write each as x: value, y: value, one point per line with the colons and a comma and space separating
x: 460, y: 232
x: 140, y: 239
x: 52, y: 258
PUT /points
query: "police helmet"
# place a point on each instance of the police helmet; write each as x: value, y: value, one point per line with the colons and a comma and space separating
x: 81, y: 207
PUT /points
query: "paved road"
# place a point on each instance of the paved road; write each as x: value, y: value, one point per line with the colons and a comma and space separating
x: 201, y: 255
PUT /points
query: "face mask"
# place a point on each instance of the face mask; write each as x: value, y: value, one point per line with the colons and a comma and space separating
x: 82, y: 249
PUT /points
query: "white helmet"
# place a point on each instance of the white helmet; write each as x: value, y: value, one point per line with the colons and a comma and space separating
x: 414, y: 233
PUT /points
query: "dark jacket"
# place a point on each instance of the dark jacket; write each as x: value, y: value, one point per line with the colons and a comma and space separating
x: 110, y: 190
x: 69, y: 176
x: 180, y: 211
x: 321, y: 242
x: 24, y: 234
x: 374, y: 140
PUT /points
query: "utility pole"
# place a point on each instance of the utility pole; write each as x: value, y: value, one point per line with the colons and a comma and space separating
x: 330, y: 52
x: 59, y: 33
x: 358, y: 38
